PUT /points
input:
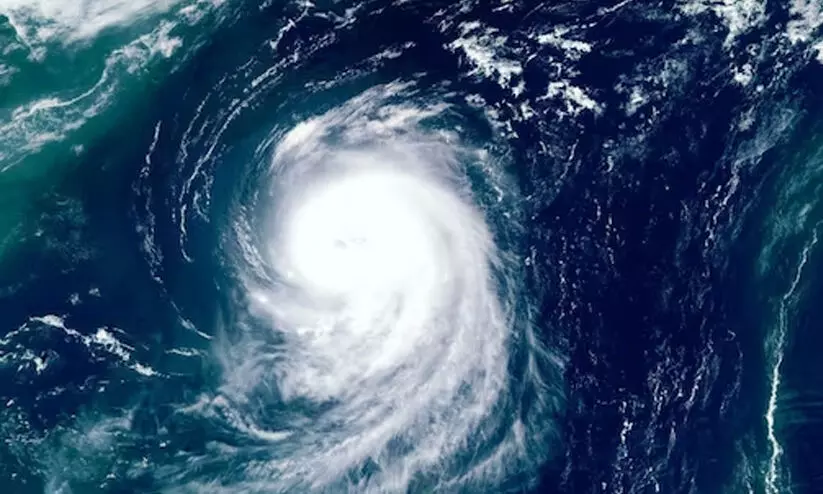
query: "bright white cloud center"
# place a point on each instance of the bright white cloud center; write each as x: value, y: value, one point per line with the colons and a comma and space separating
x: 365, y: 232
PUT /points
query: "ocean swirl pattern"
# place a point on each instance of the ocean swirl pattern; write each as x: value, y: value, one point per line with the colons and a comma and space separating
x: 378, y: 334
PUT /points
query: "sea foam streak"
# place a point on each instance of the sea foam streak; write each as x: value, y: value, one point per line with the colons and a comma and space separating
x: 393, y: 315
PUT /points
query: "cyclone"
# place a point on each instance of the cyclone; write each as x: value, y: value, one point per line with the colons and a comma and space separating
x: 382, y: 315
x: 410, y: 247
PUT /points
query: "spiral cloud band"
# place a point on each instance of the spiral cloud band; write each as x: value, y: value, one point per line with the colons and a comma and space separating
x: 396, y: 353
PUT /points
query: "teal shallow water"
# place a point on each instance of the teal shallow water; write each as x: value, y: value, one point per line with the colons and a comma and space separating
x: 69, y: 73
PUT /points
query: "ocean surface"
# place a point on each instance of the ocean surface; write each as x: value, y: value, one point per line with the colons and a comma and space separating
x: 408, y: 247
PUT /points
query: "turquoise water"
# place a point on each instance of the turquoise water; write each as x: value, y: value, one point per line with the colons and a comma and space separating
x: 788, y: 262
x: 71, y: 72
